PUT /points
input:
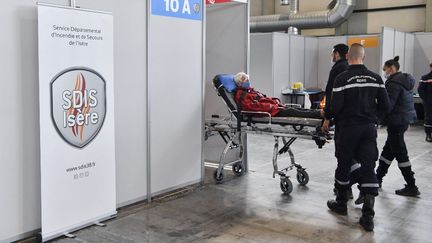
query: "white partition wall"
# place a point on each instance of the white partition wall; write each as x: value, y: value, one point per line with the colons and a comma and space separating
x: 227, y: 38
x: 262, y: 60
x: 422, y: 54
x: 399, y: 48
x: 297, y: 59
x: 311, y: 62
x: 281, y: 63
x: 270, y: 62
x: 388, y: 45
x: 325, y: 48
x: 175, y: 94
x: 279, y: 60
x: 409, y: 53
x: 19, y: 151
x: 227, y: 51
x: 130, y: 75
x: 372, y: 51
x: 397, y: 43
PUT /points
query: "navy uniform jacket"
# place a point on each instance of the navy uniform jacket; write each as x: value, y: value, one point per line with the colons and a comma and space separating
x: 359, y: 97
x: 425, y: 87
x: 338, y: 68
x: 399, y: 88
x: 425, y: 92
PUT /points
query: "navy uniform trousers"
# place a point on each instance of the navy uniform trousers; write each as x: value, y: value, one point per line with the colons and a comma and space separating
x: 357, y: 142
x: 355, y: 164
x: 395, y: 148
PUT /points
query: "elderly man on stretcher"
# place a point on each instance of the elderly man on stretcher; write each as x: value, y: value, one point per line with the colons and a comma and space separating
x: 251, y: 100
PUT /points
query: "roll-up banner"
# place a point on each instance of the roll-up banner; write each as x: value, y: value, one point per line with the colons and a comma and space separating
x: 76, y: 118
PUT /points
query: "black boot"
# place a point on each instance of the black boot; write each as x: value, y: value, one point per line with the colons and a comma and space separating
x: 368, y: 213
x: 429, y: 137
x: 409, y: 191
x: 349, y: 193
x: 340, y: 204
x: 360, y: 198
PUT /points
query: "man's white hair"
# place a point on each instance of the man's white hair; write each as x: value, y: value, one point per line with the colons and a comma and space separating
x: 240, y: 77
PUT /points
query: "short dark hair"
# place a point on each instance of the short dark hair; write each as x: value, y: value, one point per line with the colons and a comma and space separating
x: 342, y: 49
x: 393, y: 62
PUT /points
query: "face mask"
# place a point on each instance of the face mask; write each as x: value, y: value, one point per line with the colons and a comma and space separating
x: 246, y: 85
x: 386, y: 75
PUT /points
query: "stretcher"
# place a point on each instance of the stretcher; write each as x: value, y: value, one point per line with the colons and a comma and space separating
x: 284, y: 129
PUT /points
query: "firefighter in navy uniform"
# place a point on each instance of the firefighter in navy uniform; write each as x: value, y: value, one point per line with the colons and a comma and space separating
x: 359, y: 97
x: 425, y: 92
x: 340, y: 65
x: 402, y: 113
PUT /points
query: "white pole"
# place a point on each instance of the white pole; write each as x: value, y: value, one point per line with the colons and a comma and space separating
x: 73, y: 3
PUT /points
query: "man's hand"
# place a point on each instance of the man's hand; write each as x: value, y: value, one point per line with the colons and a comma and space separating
x: 326, y: 126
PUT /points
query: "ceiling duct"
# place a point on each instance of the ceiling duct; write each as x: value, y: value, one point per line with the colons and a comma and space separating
x: 330, y: 18
x: 294, y: 8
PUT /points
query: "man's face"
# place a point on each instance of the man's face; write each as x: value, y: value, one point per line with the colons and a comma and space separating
x: 334, y: 56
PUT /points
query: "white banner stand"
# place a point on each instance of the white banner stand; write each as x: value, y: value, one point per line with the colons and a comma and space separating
x: 76, y: 118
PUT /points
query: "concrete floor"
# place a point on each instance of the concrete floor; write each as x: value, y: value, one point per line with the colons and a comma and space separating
x: 252, y: 208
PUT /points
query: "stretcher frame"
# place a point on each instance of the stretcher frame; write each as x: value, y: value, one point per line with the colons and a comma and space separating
x: 284, y: 129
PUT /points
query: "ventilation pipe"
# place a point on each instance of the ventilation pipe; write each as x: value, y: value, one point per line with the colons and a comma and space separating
x: 309, y: 20
x: 294, y: 8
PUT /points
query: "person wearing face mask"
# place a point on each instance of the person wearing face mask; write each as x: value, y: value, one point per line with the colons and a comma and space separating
x: 251, y: 100
x: 402, y: 113
x: 425, y: 92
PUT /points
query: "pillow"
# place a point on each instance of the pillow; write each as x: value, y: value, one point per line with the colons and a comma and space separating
x: 227, y: 81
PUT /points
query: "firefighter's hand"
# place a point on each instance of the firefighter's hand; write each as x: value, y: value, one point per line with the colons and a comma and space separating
x: 326, y: 126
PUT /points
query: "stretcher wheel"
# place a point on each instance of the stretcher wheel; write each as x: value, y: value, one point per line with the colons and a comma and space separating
x: 298, y: 128
x: 302, y: 177
x: 238, y: 169
x: 286, y: 185
x: 219, y: 179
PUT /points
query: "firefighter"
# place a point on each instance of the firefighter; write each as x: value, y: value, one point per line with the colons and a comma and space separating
x: 358, y: 98
x: 338, y: 57
x: 402, y: 113
x: 425, y: 92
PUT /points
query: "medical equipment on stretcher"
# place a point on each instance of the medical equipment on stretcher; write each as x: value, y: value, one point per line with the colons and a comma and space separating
x: 238, y: 123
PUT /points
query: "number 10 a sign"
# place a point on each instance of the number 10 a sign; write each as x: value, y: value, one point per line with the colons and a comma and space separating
x: 185, y: 9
